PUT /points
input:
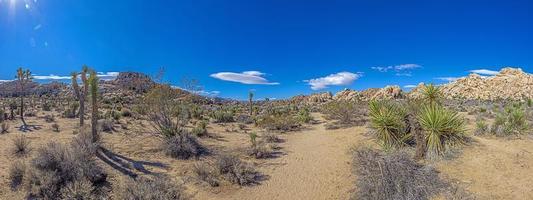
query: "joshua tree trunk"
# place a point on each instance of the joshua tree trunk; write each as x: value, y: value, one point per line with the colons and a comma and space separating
x: 416, y: 130
x: 93, y: 81
x: 83, y: 94
x: 250, y: 99
x: 22, y: 111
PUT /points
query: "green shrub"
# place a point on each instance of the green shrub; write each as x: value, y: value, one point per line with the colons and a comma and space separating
x: 222, y: 116
x: 236, y: 171
x: 304, y: 116
x: 55, y: 127
x: 47, y: 106
x: 481, y: 127
x: 201, y: 129
x: 70, y: 112
x: 126, y: 112
x: 511, y: 121
x: 442, y: 128
x: 278, y: 122
x: 344, y: 112
x: 387, y: 120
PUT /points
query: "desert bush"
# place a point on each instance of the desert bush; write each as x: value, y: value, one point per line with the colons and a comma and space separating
x: 166, y: 115
x: 16, y: 174
x: 245, y: 119
x: 126, y: 112
x: 157, y: 188
x: 223, y: 116
x: 21, y: 146
x: 3, y: 115
x: 47, y: 106
x: 79, y: 189
x: 343, y: 111
x: 201, y: 129
x: 183, y: 146
x: 260, y: 149
x: 304, y: 116
x: 236, y: 171
x: 270, y: 137
x: 510, y: 121
x: 196, y: 111
x: 70, y: 112
x: 278, y: 122
x: 56, y: 167
x: 481, y: 127
x: 387, y: 120
x: 441, y: 127
x: 49, y: 118
x: 30, y: 113
x: 106, y: 125
x: 207, y: 173
x: 4, y: 127
x: 55, y: 127
x: 393, y: 176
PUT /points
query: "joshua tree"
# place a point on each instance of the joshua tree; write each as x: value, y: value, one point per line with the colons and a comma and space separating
x: 83, y: 94
x: 250, y: 99
x: 93, y: 82
x: 431, y: 93
x: 23, y: 77
x: 76, y: 89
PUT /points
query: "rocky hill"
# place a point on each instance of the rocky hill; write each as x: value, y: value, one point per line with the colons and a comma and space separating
x: 509, y: 84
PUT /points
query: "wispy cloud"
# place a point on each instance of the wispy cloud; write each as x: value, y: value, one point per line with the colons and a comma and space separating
x: 409, y: 86
x: 51, y: 77
x: 484, y: 72
x: 3, y: 81
x: 107, y: 75
x: 247, y: 77
x: 341, y: 78
x: 213, y: 93
x: 398, y: 69
x: 449, y: 79
x: 101, y: 75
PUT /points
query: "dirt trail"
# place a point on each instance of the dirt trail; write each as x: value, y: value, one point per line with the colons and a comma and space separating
x: 316, y: 166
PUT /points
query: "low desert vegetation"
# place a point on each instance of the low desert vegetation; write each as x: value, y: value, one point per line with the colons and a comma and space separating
x: 156, y: 188
x: 21, y: 146
x: 345, y: 113
x: 394, y: 176
x: 429, y: 125
x: 227, y: 168
x: 510, y: 121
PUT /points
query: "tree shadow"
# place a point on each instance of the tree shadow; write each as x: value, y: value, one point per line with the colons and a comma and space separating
x: 125, y: 165
x: 29, y: 128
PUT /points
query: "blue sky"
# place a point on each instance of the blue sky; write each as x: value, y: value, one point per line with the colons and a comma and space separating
x: 276, y: 48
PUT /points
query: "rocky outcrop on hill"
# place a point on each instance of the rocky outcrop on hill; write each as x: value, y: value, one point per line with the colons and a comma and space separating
x: 135, y: 81
x: 388, y: 92
x: 508, y: 84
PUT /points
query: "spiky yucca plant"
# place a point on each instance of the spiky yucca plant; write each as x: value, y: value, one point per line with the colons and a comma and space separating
x: 431, y: 93
x: 388, y: 121
x: 442, y: 127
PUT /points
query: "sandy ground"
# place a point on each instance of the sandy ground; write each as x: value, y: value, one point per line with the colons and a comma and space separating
x: 316, y: 166
x: 313, y: 163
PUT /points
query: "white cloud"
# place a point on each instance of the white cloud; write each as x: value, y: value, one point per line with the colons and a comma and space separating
x: 4, y: 81
x: 247, y: 77
x: 484, y: 72
x: 213, y: 93
x: 398, y: 68
x: 51, y: 77
x: 102, y: 75
x: 449, y: 79
x: 409, y: 86
x: 107, y: 75
x: 341, y: 78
